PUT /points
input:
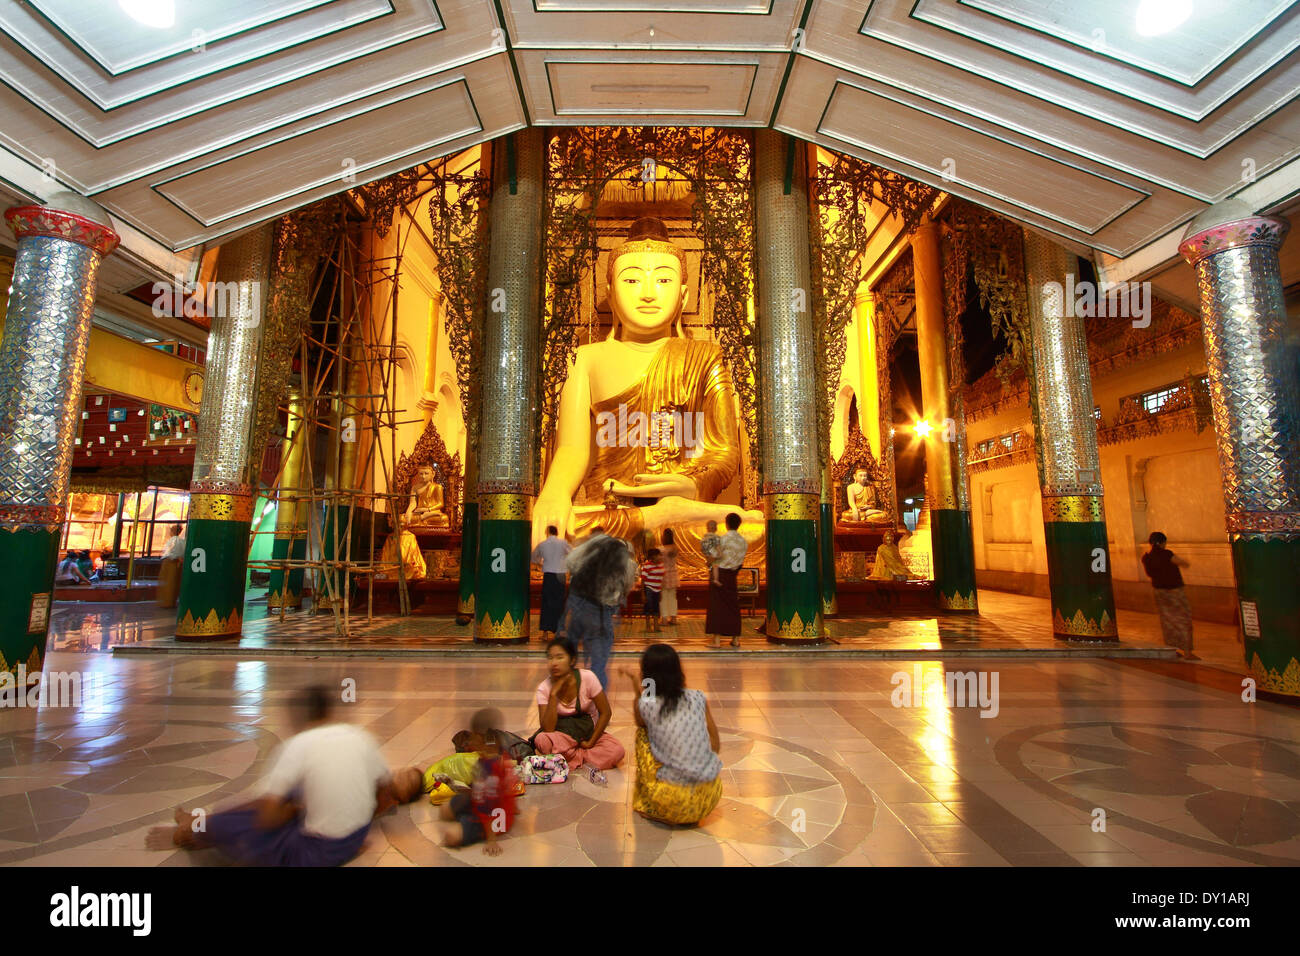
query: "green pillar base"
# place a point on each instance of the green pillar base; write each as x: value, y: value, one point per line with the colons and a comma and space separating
x: 285, y: 587
x: 29, y: 556
x: 1078, y: 569
x: 211, y: 603
x: 953, y: 543
x: 502, y: 575
x: 468, y: 563
x: 794, y: 594
x: 1268, y: 583
x: 826, y: 539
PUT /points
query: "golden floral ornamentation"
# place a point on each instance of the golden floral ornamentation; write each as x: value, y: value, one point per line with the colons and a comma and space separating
x: 1073, y: 508
x: 1080, y: 626
x: 210, y: 626
x: 209, y: 507
x: 507, y: 507
x: 793, y: 507
x: 505, y: 630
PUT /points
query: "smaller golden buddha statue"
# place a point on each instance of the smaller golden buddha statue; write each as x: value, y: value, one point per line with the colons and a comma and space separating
x: 425, y: 510
x: 864, y: 503
x: 889, y: 565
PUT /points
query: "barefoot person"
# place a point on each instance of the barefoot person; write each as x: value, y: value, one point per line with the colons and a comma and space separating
x: 601, y: 572
x: 327, y: 783
x: 550, y: 554
x: 672, y: 579
x: 677, y: 764
x: 573, y: 712
x: 723, y: 618
x: 1161, y: 566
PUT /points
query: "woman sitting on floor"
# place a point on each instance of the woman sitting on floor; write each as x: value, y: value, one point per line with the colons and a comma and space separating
x: 573, y: 712
x: 677, y: 764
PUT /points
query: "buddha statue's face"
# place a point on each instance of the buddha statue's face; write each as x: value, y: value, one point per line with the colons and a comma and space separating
x: 424, y: 475
x: 647, y: 293
x: 860, y: 476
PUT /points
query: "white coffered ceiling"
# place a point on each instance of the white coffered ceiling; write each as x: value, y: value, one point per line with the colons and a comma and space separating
x: 1061, y: 114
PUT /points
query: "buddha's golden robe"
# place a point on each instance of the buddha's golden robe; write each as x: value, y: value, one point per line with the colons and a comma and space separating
x: 689, y: 428
x: 688, y: 401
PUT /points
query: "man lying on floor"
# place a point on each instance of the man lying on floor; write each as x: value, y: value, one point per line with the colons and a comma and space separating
x: 327, y: 783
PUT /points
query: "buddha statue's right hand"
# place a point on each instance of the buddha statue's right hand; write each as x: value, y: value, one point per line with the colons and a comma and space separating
x: 551, y: 510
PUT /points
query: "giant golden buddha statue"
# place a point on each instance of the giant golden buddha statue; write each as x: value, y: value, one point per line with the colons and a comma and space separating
x: 646, y: 437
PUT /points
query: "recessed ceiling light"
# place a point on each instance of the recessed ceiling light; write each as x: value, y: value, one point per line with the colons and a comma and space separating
x: 1155, y: 17
x: 159, y: 14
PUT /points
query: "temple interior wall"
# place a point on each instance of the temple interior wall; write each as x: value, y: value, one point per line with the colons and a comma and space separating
x: 1169, y: 482
x: 426, y: 383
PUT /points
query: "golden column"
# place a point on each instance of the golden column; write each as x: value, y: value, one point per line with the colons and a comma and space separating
x: 1065, y: 433
x: 291, y: 516
x: 792, y: 469
x: 211, y: 603
x: 864, y: 303
x: 507, y: 459
x: 1251, y: 357
x: 948, y: 488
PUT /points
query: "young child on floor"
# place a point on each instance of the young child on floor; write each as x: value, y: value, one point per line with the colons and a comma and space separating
x: 488, y: 810
x: 327, y: 783
x: 652, y: 578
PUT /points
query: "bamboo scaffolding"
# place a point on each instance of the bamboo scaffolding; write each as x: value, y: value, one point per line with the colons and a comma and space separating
x: 336, y: 347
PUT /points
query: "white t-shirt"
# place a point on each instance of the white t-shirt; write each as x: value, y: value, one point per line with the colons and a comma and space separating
x: 552, y: 553
x: 334, y: 770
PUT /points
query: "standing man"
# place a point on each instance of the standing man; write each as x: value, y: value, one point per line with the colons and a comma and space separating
x: 723, y: 617
x: 1162, y: 566
x: 169, y: 573
x: 602, y: 571
x: 550, y: 554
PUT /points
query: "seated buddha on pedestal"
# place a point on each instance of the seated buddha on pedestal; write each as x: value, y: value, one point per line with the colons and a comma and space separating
x: 864, y: 503
x: 647, y: 415
x: 425, y: 510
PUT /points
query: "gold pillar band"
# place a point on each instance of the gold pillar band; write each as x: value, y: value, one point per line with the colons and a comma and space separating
x: 1082, y: 626
x: 207, y: 507
x: 791, y: 507
x: 210, y: 626
x: 795, y: 628
x: 290, y: 599
x: 1073, y: 508
x: 507, y: 507
x: 506, y: 629
x: 958, y: 602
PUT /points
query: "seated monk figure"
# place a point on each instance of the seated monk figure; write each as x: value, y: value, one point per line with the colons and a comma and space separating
x: 425, y: 507
x: 889, y: 565
x: 863, y: 502
x: 646, y: 416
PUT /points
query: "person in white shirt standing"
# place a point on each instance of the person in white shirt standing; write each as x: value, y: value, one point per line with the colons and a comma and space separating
x: 327, y: 783
x: 169, y: 572
x: 723, y: 617
x: 550, y: 554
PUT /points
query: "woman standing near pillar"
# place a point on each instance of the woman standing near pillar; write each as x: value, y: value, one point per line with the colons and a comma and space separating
x: 1161, y: 566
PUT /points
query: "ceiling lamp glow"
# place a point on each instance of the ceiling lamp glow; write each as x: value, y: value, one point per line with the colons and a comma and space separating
x: 160, y: 14
x: 1155, y: 17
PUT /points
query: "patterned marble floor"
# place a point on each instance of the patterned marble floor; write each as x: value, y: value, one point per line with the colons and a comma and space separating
x: 1007, y: 625
x: 821, y: 767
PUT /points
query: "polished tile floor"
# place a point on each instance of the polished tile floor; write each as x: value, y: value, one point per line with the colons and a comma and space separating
x: 1007, y: 625
x: 821, y: 767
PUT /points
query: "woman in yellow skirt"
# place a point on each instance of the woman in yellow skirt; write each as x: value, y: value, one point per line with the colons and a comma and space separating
x: 678, y: 770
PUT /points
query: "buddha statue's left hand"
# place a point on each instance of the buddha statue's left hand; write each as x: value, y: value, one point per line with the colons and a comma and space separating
x: 656, y: 486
